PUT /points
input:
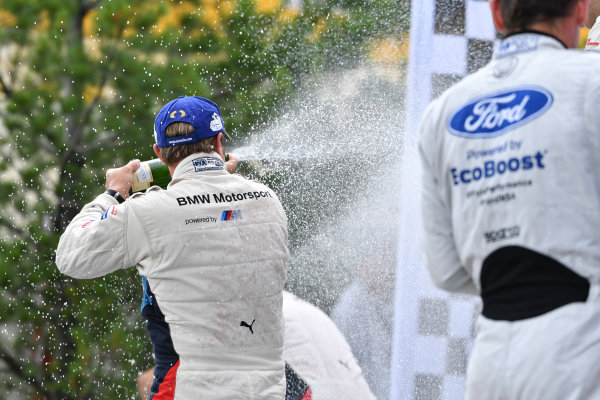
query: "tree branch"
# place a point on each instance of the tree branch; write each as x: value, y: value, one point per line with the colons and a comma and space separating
x: 78, y: 134
x: 17, y: 231
x: 47, y: 145
x: 104, y: 138
x: 88, y: 5
x: 67, y: 206
x: 5, y: 89
x: 16, y: 368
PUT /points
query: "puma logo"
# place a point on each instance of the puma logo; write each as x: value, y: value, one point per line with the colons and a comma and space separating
x: 244, y: 323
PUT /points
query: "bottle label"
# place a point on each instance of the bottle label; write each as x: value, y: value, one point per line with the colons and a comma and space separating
x: 142, y: 178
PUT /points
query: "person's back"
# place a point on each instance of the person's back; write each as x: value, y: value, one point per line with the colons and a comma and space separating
x: 220, y: 243
x: 212, y: 252
x: 511, y: 200
x: 537, y: 171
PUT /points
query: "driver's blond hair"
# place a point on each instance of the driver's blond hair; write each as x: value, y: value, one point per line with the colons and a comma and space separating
x: 174, y: 154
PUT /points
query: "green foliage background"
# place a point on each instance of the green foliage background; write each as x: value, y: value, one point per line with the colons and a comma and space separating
x: 80, y: 82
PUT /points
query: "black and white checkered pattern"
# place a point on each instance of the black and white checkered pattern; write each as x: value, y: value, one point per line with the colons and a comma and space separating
x: 432, y: 351
x: 464, y: 40
x: 446, y: 326
x: 446, y: 323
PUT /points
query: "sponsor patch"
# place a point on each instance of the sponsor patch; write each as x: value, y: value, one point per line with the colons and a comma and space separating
x: 495, y: 114
x: 221, y: 197
x: 181, y: 114
x: 502, y: 234
x: 216, y: 124
x: 208, y: 164
x: 490, y: 168
x: 87, y: 223
x: 231, y: 215
x: 173, y: 142
x: 108, y: 213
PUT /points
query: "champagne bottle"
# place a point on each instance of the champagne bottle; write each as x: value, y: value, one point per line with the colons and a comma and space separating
x: 150, y: 173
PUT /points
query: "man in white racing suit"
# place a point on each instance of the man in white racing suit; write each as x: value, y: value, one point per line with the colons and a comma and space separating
x: 511, y: 205
x: 212, y: 251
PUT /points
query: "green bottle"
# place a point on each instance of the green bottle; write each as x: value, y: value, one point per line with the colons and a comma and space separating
x: 150, y: 173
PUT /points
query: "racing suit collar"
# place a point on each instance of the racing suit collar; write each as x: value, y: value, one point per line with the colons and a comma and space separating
x: 525, y: 41
x: 199, y: 164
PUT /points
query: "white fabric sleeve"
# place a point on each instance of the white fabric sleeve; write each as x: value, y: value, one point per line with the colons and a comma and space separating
x: 441, y: 254
x: 593, y: 39
x: 95, y: 242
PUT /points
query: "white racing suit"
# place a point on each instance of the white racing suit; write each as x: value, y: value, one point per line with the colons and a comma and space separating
x: 212, y: 251
x: 593, y: 39
x: 316, y: 349
x: 511, y: 211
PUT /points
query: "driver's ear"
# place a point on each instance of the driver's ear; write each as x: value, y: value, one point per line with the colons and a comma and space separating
x: 219, y: 145
x: 157, y: 152
x: 497, y: 15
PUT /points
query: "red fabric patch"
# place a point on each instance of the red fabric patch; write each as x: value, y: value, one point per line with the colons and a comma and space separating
x: 307, y: 395
x: 166, y: 390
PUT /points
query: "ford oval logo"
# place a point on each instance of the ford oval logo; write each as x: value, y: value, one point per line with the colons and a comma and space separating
x: 498, y: 113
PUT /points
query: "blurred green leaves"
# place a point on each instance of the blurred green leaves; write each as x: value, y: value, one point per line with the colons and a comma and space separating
x: 80, y: 83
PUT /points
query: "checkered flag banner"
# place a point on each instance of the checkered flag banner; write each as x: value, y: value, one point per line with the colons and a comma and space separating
x: 433, y: 330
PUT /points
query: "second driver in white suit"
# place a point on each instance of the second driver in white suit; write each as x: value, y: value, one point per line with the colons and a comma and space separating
x: 511, y: 204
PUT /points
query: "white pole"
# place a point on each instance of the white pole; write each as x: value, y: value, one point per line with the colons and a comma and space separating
x: 409, y: 270
x: 418, y: 353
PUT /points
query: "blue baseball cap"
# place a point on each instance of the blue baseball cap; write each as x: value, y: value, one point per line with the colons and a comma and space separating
x: 203, y: 114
